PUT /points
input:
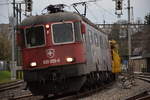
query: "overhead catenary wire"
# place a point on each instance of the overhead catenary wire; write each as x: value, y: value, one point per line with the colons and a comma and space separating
x: 4, y: 3
x: 100, y: 14
x: 3, y: 16
x: 92, y: 14
x: 100, y: 7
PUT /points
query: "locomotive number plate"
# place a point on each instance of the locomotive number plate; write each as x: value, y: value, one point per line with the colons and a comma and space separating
x: 51, y: 61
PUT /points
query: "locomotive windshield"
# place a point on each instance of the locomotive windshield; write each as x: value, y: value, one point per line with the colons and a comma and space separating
x: 63, y: 33
x: 34, y: 36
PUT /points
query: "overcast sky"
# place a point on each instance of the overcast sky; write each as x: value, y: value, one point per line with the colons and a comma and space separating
x: 97, y: 12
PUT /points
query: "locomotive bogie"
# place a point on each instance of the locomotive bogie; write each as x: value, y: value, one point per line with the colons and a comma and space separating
x: 53, y: 80
x: 67, y: 85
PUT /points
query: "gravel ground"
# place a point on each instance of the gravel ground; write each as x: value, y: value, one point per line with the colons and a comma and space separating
x: 16, y: 92
x: 117, y: 93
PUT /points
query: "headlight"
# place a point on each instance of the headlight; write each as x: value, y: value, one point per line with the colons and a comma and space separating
x: 33, y: 64
x: 69, y: 59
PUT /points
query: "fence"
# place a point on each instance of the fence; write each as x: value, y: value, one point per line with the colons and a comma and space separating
x: 19, y: 74
x: 4, y: 65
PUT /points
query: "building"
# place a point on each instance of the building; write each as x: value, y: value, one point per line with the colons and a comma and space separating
x: 140, y: 60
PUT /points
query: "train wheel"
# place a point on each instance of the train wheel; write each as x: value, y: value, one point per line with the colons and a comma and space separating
x: 37, y: 88
x: 45, y: 96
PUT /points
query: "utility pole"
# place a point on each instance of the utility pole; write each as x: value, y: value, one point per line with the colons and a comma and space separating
x: 129, y: 38
x: 129, y: 35
x: 13, y: 65
x: 14, y: 21
x: 20, y: 13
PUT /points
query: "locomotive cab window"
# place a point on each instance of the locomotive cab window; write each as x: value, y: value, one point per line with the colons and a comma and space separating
x: 63, y: 33
x: 77, y: 31
x: 34, y: 36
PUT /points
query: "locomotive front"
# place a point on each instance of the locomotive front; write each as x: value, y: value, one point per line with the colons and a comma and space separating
x: 52, y: 51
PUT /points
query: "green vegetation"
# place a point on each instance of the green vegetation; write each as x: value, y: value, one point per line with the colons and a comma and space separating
x: 5, y: 76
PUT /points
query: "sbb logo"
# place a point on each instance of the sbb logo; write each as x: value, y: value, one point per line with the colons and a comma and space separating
x: 50, y: 53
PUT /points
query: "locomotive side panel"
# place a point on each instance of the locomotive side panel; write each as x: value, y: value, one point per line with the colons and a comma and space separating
x: 97, y: 50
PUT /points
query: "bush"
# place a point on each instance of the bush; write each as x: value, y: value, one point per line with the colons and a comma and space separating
x: 5, y: 76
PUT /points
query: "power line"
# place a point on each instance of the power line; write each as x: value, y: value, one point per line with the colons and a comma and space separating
x: 4, y: 3
x: 98, y: 6
x: 3, y: 16
x: 92, y: 13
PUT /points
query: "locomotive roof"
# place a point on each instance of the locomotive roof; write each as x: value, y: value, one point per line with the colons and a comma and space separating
x: 55, y: 17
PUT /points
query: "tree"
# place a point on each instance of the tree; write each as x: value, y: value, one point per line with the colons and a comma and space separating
x: 147, y: 19
x: 119, y: 34
x: 5, y: 44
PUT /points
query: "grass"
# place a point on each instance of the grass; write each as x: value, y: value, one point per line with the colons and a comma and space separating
x: 5, y: 76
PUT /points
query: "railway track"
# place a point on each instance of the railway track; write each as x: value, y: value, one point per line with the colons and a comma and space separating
x: 81, y: 94
x: 142, y: 96
x: 71, y: 96
x: 10, y: 85
x: 144, y: 77
x: 21, y: 97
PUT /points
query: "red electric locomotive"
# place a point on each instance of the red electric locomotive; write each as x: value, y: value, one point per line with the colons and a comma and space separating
x: 62, y: 52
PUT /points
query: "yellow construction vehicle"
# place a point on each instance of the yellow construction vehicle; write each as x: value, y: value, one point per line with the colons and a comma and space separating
x: 116, y: 61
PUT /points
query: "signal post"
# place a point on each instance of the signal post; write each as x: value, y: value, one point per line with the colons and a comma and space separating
x: 14, y: 21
